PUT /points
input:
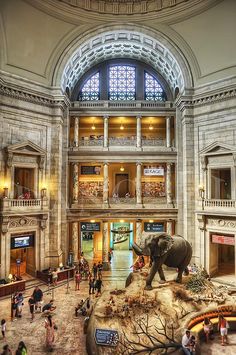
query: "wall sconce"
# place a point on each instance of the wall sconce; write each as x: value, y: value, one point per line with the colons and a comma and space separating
x: 5, y: 192
x: 44, y: 192
x: 122, y: 168
x: 201, y: 191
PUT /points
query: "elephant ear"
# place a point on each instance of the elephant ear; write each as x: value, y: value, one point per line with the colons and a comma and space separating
x: 165, y: 243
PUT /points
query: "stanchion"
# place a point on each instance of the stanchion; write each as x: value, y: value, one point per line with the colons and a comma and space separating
x: 49, y: 280
x: 68, y: 286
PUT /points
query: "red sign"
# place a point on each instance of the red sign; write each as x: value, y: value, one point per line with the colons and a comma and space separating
x: 222, y: 239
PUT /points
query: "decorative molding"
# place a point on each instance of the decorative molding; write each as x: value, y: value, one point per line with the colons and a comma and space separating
x: 5, y: 224
x: 22, y: 222
x: 222, y: 223
x: 44, y: 222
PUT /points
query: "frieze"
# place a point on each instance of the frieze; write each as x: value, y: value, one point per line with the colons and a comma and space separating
x: 24, y: 159
x: 222, y: 223
x: 22, y: 222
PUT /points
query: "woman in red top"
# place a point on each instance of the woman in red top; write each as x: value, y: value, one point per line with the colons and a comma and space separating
x: 223, y: 328
x: 77, y: 280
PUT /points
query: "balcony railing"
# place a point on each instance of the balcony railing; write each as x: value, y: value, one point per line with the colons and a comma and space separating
x: 91, y: 143
x: 153, y: 142
x: 122, y: 141
x: 8, y: 204
x: 213, y: 203
x: 122, y: 200
x: 121, y: 104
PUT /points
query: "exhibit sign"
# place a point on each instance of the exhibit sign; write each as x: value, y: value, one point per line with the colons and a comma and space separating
x: 153, y: 171
x: 106, y: 337
x: 153, y: 227
x: 91, y: 170
x: 222, y: 239
x: 89, y: 227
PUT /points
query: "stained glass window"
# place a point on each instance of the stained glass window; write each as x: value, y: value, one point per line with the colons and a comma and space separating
x: 153, y: 90
x: 91, y: 89
x: 122, y: 80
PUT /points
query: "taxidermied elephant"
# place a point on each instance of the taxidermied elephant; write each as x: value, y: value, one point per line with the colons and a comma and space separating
x: 163, y: 249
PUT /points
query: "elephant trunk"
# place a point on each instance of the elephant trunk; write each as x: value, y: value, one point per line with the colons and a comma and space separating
x: 137, y: 249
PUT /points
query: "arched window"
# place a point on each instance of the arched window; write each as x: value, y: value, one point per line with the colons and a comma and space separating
x: 122, y: 82
x: 153, y: 90
x: 91, y: 89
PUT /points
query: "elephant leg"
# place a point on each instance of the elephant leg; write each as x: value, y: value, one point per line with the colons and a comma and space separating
x: 179, y: 276
x: 151, y: 275
x: 161, y: 274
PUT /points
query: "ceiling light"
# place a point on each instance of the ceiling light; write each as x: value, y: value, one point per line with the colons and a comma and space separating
x: 150, y: 127
x: 121, y: 221
x: 122, y: 168
x: 92, y: 220
x: 122, y: 127
x: 93, y: 127
x: 150, y: 220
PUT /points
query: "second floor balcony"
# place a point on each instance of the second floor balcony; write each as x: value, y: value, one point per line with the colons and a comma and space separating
x: 9, y: 205
x: 217, y: 206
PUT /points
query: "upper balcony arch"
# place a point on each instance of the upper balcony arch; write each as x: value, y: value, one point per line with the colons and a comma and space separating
x: 133, y: 42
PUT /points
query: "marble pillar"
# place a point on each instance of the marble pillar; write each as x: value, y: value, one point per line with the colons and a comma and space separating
x: 168, y: 184
x: 139, y: 183
x: 105, y: 124
x: 75, y: 182
x: 168, y: 132
x: 75, y: 240
x: 105, y: 241
x: 139, y: 131
x: 138, y: 231
x: 105, y: 184
x: 76, y: 132
x: 169, y: 227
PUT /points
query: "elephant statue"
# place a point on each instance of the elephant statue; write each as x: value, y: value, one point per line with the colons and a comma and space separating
x: 173, y: 251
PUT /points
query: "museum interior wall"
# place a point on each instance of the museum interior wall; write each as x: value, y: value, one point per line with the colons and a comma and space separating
x: 46, y: 134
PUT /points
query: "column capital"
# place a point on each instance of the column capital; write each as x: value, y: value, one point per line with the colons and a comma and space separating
x: 106, y: 163
x: 138, y: 163
x: 138, y: 116
x: 106, y: 116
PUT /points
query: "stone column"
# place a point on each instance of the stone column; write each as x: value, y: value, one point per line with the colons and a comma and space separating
x: 168, y: 184
x: 139, y: 131
x: 76, y: 132
x: 105, y: 240
x: 168, y: 135
x: 138, y: 231
x: 105, y: 184
x: 75, y: 182
x: 105, y: 123
x: 169, y: 227
x: 138, y: 183
x: 75, y: 240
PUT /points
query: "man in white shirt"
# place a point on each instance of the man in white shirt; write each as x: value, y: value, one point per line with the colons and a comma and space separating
x: 186, y: 344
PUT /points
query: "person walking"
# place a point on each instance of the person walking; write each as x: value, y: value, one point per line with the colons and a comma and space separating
x: 50, y: 336
x: 98, y: 286
x: 95, y: 270
x: 19, y: 304
x: 207, y: 327
x: 54, y: 277
x: 223, y: 328
x: 31, y: 302
x: 91, y: 286
x: 3, y: 328
x: 99, y: 266
x: 22, y: 349
x: 77, y: 280
x: 38, y: 297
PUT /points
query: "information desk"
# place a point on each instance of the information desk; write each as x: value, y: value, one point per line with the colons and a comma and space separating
x: 62, y: 275
x: 11, y: 288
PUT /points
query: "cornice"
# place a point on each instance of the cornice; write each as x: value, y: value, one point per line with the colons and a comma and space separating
x: 20, y: 93
x: 204, y: 99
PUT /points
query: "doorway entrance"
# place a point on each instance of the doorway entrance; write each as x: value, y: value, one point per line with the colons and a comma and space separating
x: 122, y: 184
x: 22, y: 255
x: 226, y: 259
x: 222, y: 255
x: 24, y: 183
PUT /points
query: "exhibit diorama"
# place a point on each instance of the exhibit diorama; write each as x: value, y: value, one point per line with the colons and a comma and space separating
x: 118, y: 176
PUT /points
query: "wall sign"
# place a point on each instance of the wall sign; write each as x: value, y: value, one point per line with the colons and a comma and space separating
x: 153, y: 227
x: 154, y: 171
x: 222, y: 239
x: 89, y: 227
x: 22, y: 241
x: 90, y: 170
x: 106, y: 337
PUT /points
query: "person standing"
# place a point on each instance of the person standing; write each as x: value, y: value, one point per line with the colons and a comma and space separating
x: 38, y: 297
x: 207, y: 327
x: 54, y: 277
x: 19, y: 304
x: 223, y: 328
x: 6, y: 350
x: 91, y: 286
x: 77, y: 280
x: 98, y: 286
x: 95, y: 270
x: 22, y: 348
x: 99, y: 269
x: 50, y: 336
x: 3, y: 328
x: 31, y: 302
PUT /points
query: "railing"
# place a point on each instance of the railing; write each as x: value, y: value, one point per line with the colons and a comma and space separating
x: 90, y: 201
x: 123, y: 200
x: 155, y: 200
x: 122, y: 104
x: 91, y: 143
x: 122, y: 141
x: 219, y: 203
x: 152, y: 142
x: 8, y: 204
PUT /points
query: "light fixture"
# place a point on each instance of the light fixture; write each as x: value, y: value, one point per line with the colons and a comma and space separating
x: 201, y: 191
x: 92, y: 220
x: 93, y: 127
x: 44, y: 192
x: 150, y: 127
x: 150, y: 220
x: 121, y: 221
x: 122, y: 168
x: 122, y: 126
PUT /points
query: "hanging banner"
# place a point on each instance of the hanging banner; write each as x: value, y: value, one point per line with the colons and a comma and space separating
x: 222, y: 239
x: 153, y: 171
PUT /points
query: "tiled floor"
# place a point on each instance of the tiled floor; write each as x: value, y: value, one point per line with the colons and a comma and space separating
x: 69, y: 336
